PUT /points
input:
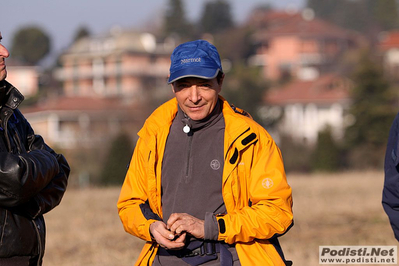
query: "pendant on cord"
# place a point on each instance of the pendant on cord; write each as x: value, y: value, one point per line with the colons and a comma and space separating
x: 186, y: 129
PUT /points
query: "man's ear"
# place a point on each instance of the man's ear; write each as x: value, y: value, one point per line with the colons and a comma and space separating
x: 220, y: 81
x: 173, y: 88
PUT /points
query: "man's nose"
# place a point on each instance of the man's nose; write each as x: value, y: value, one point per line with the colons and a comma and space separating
x: 194, y: 94
x: 3, y: 51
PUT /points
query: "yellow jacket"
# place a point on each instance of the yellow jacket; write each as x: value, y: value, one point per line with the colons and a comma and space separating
x: 255, y: 190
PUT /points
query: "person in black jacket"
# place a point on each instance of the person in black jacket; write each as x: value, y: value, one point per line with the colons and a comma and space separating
x: 33, y: 179
x: 390, y: 195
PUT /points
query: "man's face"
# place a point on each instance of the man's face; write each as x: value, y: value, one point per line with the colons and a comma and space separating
x: 197, y: 97
x: 3, y: 55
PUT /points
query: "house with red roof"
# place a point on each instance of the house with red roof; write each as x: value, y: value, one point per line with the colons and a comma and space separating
x: 297, y: 44
x: 306, y: 50
x: 84, y: 122
x: 307, y: 107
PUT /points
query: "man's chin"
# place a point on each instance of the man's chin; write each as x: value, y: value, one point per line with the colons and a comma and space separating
x: 196, y: 117
x: 3, y: 76
x: 196, y: 113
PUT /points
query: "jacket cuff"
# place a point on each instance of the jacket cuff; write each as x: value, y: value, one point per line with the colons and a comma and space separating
x: 30, y: 209
x: 145, y: 230
x: 221, y: 227
x: 211, y: 228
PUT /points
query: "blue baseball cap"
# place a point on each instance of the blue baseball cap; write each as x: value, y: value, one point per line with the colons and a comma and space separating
x: 194, y: 59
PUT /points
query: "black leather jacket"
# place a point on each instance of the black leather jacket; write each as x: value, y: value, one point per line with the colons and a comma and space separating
x: 33, y: 179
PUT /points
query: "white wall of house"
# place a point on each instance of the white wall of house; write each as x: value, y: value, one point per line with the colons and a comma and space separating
x: 304, y: 121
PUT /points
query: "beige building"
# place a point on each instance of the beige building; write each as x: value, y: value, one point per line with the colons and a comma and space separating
x: 119, y: 63
x: 106, y: 83
x: 106, y: 80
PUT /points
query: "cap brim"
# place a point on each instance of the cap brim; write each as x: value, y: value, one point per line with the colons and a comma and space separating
x: 204, y: 73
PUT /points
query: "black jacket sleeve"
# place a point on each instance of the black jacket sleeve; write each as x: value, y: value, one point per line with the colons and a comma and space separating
x: 390, y: 195
x: 51, y: 195
x: 49, y: 187
x: 25, y: 175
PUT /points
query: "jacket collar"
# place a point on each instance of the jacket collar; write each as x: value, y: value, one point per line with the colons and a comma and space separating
x: 238, y: 127
x: 13, y: 98
x: 160, y: 119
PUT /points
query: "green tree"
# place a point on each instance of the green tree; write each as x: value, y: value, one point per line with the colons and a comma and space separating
x: 296, y: 155
x: 81, y: 33
x: 30, y: 45
x: 235, y: 44
x: 244, y: 87
x: 371, y: 15
x: 216, y: 17
x: 326, y: 156
x: 115, y: 166
x: 373, y: 111
x: 340, y: 12
x: 324, y: 8
x: 386, y: 14
x: 175, y: 21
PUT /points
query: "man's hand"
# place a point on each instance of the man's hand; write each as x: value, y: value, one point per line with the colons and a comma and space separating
x: 179, y: 223
x: 165, y: 238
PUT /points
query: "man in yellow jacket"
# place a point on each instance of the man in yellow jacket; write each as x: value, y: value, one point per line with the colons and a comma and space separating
x: 206, y: 184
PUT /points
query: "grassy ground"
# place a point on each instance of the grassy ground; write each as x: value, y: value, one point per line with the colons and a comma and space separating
x: 329, y: 209
x: 343, y: 209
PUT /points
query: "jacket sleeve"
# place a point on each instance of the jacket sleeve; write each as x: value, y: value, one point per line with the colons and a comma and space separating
x: 134, y: 211
x: 390, y: 195
x: 50, y: 196
x: 268, y: 210
x: 46, y: 185
x: 24, y: 175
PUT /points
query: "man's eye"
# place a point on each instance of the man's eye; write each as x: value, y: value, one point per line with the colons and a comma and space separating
x: 182, y: 86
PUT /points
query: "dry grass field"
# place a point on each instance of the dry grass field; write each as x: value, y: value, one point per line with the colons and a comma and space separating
x: 329, y: 209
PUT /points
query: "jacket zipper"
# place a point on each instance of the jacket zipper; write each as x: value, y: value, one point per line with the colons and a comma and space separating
x: 6, y: 134
x: 4, y: 227
x: 18, y: 141
x: 39, y: 244
x: 190, y: 140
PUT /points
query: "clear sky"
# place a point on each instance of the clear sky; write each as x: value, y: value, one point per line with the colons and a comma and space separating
x: 60, y: 19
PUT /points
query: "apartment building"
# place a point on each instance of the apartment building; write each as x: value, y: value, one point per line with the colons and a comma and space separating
x: 119, y: 63
x: 106, y: 81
